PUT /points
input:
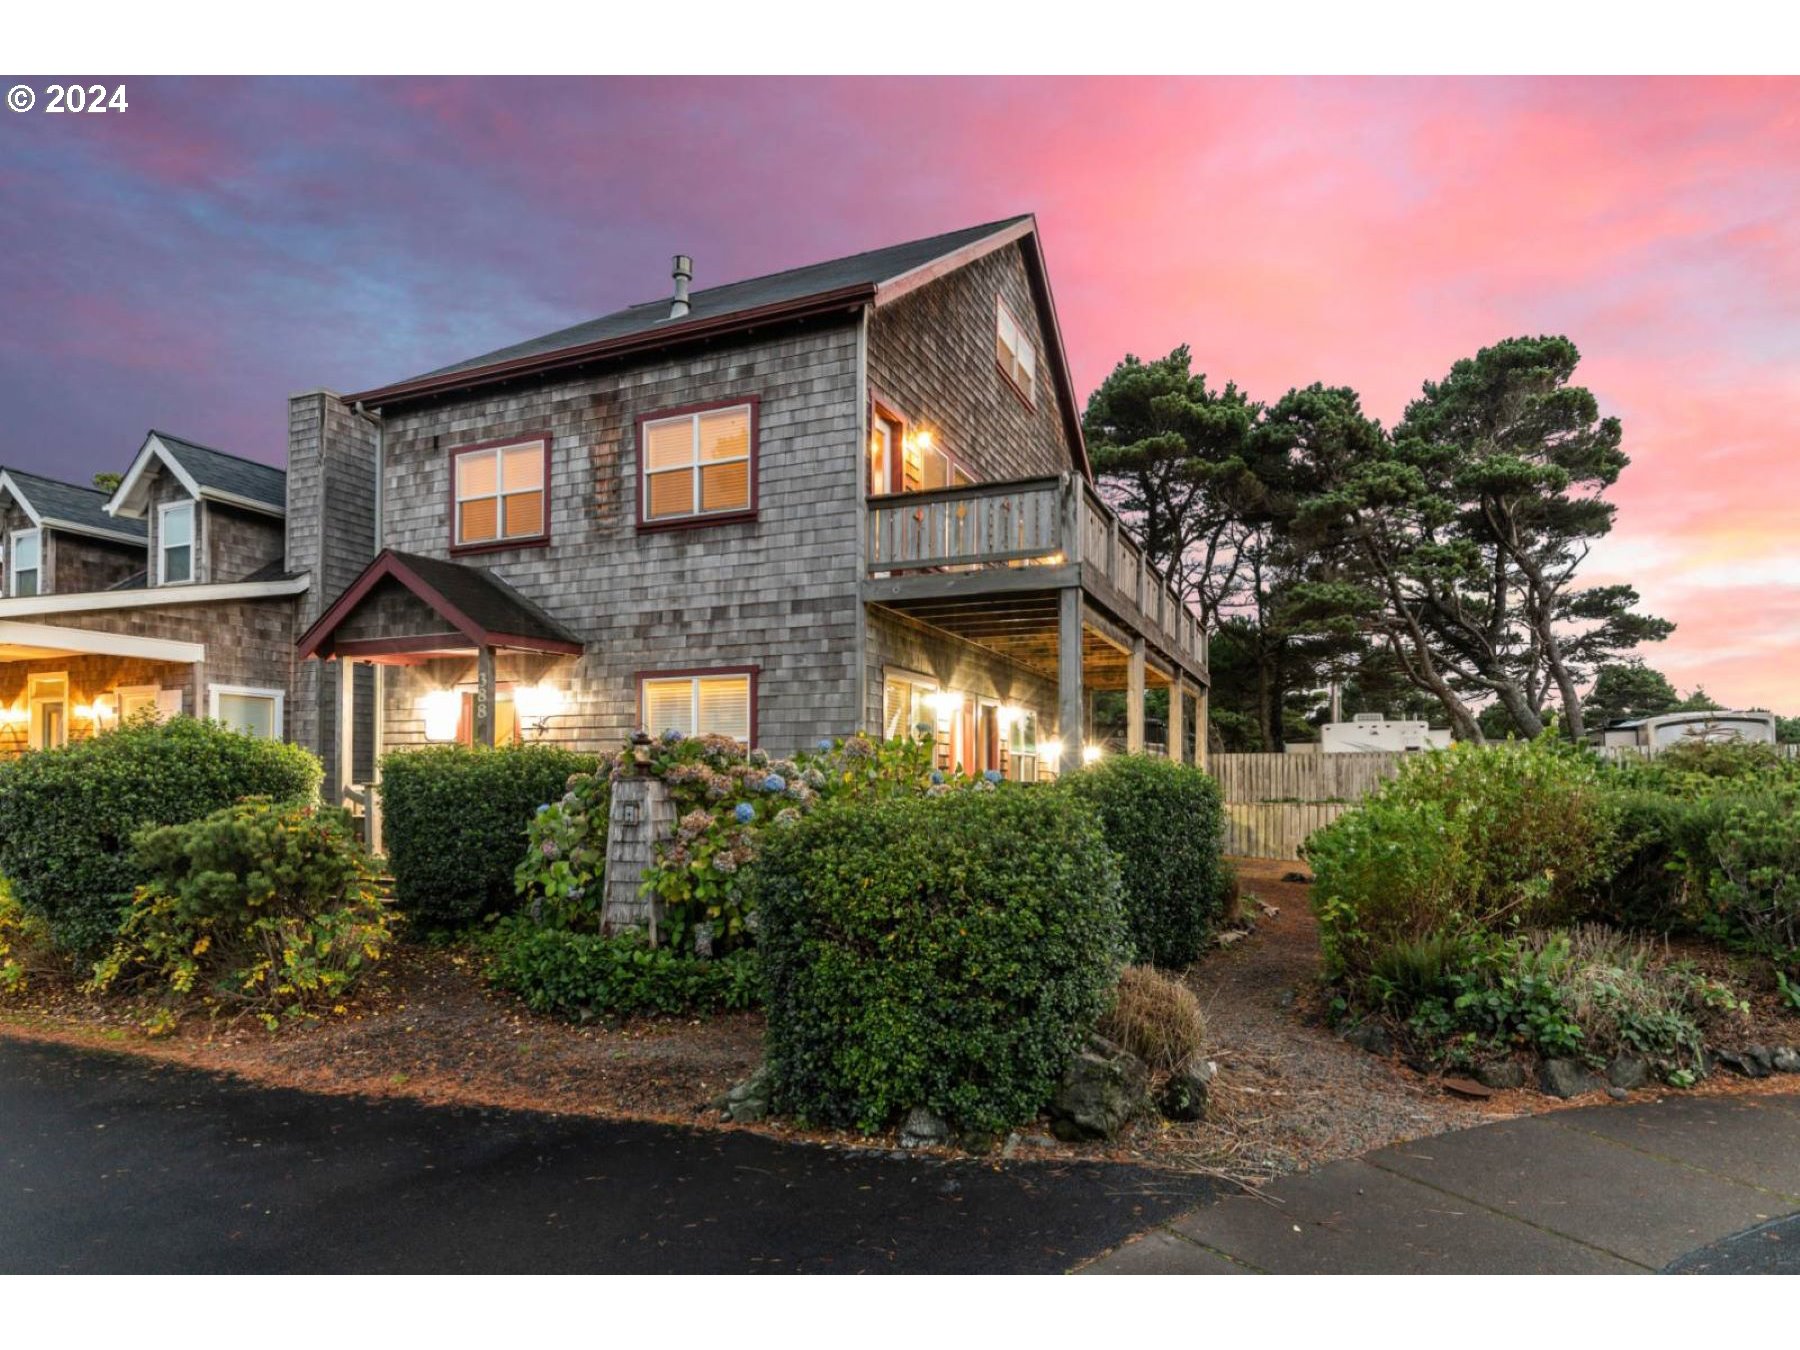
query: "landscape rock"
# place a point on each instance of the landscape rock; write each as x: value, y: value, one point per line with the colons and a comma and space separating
x: 1185, y: 1095
x: 1744, y: 1062
x: 1568, y: 1078
x: 1618, y: 1094
x: 922, y: 1127
x: 1785, y: 1060
x: 1627, y: 1071
x: 1371, y: 1036
x: 1502, y: 1074
x: 748, y: 1102
x: 1102, y: 1089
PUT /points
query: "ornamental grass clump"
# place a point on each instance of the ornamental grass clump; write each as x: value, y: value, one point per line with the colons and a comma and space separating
x: 1155, y: 1017
x: 260, y: 908
x: 948, y: 951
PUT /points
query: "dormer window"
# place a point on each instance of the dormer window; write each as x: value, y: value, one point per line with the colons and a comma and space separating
x: 175, y: 543
x: 27, y: 562
x: 1015, y: 353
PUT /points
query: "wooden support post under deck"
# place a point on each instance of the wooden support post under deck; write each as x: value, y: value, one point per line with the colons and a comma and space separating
x: 1177, y: 709
x: 1200, y: 727
x: 1069, y: 702
x: 484, y: 696
x: 1134, y: 698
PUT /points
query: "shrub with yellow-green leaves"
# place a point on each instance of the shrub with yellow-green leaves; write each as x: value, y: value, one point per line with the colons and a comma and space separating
x: 260, y: 908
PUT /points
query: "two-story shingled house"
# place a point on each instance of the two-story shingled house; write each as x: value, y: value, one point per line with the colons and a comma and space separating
x: 172, y: 595
x: 848, y: 496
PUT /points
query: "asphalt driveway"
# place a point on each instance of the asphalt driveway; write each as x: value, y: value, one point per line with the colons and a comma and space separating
x: 113, y: 1164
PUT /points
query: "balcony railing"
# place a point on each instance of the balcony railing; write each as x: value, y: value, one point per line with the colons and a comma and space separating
x: 1029, y: 522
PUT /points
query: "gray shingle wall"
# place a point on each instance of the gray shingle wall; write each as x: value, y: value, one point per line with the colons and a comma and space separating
x: 248, y: 642
x: 778, y: 593
x: 331, y: 537
x: 898, y: 643
x: 238, y: 542
x: 932, y: 353
x: 84, y: 563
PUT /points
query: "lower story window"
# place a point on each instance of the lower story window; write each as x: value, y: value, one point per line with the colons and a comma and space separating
x: 705, y: 704
x: 905, y: 704
x: 255, y: 712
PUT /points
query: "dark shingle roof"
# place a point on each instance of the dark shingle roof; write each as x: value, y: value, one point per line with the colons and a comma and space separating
x: 81, y: 507
x: 871, y: 268
x: 485, y: 599
x: 222, y: 471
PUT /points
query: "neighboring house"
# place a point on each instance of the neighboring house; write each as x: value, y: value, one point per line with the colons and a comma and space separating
x: 1658, y: 733
x: 1368, y: 732
x: 173, y: 595
x: 851, y: 496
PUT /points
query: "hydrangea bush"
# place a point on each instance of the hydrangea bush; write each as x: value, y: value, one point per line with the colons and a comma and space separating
x: 726, y: 799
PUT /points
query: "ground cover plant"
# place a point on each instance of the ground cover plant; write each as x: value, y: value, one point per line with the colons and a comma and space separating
x: 261, y: 908
x: 68, y: 815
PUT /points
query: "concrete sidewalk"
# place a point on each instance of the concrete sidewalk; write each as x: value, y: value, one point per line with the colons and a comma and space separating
x: 1594, y: 1190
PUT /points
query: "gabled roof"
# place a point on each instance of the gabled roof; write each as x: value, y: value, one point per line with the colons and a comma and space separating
x: 480, y: 609
x: 876, y: 277
x: 67, y: 506
x: 208, y: 474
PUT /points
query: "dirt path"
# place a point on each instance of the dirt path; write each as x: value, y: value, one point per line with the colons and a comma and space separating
x: 1289, y: 1093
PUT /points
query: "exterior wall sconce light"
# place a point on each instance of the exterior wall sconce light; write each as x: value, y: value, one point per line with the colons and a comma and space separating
x: 946, y: 703
x: 1051, y: 750
x: 536, y: 705
x: 442, y: 711
x: 1091, y: 752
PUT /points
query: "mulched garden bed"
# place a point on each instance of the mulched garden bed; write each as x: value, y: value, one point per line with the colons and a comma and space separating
x: 1290, y: 1094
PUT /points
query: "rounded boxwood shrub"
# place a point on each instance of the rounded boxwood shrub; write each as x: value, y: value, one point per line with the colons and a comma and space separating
x: 1166, y: 824
x: 67, y: 816
x: 454, y: 823
x: 578, y: 975
x: 947, y: 951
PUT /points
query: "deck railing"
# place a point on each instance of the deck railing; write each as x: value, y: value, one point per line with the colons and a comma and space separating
x: 1025, y: 523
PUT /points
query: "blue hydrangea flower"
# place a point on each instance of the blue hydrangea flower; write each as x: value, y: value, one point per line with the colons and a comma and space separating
x: 774, y: 783
x: 825, y: 743
x: 745, y: 813
x: 671, y: 736
x: 993, y: 775
x: 937, y: 778
x: 543, y: 807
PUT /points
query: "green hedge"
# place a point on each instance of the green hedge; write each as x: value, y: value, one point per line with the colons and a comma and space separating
x: 575, y: 975
x: 67, y: 816
x: 947, y: 951
x: 1166, y: 824
x: 454, y: 822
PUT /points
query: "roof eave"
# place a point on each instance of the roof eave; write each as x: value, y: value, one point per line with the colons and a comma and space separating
x: 671, y: 335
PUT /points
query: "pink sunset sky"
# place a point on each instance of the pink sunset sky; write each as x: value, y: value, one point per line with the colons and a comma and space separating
x: 189, y: 263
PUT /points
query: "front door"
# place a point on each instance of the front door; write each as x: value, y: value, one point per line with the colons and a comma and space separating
x: 988, y: 738
x: 47, y: 700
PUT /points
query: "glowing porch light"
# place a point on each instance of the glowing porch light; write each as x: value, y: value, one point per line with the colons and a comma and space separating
x: 1091, y: 752
x: 442, y: 711
x: 14, y: 717
x: 1008, y: 716
x: 1051, y: 749
x: 946, y: 703
x: 537, y: 704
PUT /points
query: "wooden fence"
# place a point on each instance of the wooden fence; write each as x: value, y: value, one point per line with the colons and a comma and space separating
x: 1272, y: 802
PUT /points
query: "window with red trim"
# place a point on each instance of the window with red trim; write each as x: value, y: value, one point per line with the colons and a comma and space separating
x: 698, y: 464
x: 499, y: 494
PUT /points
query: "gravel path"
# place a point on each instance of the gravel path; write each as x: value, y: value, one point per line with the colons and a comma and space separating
x: 1291, y: 1095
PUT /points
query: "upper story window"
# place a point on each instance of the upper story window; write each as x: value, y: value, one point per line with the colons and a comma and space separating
x: 27, y: 562
x: 1015, y: 352
x: 711, y: 704
x: 697, y: 464
x: 175, y: 543
x: 499, y: 492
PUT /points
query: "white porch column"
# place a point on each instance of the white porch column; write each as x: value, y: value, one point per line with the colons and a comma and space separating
x: 346, y: 729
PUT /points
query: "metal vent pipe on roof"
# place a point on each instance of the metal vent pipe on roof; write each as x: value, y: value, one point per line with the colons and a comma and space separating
x: 684, y: 273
